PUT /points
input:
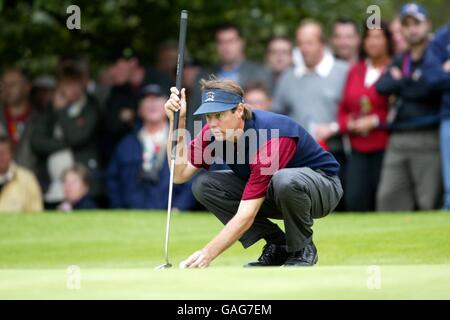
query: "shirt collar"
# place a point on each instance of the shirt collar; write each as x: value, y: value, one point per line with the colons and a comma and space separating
x: 235, y: 69
x: 75, y: 108
x: 323, y: 68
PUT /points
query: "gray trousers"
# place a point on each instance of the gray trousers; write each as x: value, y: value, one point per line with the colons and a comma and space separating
x: 411, y: 174
x: 295, y: 195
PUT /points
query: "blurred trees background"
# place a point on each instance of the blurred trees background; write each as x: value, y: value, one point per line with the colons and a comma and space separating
x: 33, y: 33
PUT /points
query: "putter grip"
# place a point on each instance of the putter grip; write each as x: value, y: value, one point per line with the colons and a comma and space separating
x: 179, y: 78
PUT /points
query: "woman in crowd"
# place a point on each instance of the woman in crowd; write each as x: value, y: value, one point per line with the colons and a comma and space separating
x: 362, y: 116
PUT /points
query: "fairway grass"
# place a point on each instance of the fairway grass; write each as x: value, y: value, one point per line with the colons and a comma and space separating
x: 370, y: 256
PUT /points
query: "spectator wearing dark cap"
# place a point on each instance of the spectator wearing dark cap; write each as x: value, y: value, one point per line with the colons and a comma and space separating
x: 67, y: 132
x: 16, y: 115
x: 138, y: 174
x: 411, y: 174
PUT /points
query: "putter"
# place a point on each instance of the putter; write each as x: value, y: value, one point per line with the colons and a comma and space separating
x: 180, y: 63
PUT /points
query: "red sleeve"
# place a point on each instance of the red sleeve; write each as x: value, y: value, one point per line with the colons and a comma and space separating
x: 274, y: 155
x: 197, y: 148
x: 343, y: 108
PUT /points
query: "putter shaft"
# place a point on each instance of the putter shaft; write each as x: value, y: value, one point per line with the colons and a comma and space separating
x: 169, y: 209
x: 179, y: 77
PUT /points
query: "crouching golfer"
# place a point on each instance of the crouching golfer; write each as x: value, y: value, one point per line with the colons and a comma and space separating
x: 283, y: 175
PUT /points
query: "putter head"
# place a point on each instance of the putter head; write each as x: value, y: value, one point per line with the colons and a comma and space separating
x: 164, y: 266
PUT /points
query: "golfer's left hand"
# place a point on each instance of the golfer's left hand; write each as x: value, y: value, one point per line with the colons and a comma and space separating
x: 199, y: 259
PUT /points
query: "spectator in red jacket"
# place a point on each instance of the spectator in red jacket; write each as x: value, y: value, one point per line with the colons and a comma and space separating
x: 362, y: 115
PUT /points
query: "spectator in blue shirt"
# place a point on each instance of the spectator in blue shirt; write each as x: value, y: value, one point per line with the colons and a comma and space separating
x: 411, y: 172
x: 138, y: 174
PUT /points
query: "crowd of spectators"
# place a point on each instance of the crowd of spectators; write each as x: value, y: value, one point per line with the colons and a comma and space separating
x: 377, y: 99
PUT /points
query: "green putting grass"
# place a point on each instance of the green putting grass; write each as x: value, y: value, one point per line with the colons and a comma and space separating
x: 362, y: 256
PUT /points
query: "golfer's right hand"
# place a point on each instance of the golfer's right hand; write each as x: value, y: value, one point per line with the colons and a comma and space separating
x: 175, y: 103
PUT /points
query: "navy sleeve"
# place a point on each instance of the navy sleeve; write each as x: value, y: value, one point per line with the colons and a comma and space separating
x: 388, y: 85
x: 435, y: 57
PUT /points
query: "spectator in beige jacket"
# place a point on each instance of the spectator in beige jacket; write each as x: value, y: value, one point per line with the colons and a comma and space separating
x: 19, y: 189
